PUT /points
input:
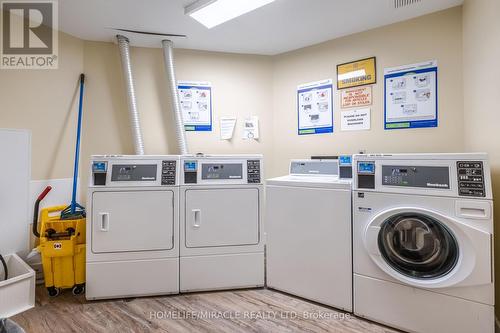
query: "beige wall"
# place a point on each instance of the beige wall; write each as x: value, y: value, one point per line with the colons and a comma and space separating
x: 242, y: 86
x: 481, y: 50
x: 44, y: 101
x: 437, y: 36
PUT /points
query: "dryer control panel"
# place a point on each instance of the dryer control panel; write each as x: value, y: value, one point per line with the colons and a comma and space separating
x: 130, y: 170
x: 221, y: 170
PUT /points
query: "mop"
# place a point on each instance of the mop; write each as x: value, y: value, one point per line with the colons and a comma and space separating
x: 75, y: 210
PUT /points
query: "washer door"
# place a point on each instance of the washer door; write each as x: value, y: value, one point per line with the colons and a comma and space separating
x: 418, y: 246
x: 423, y: 248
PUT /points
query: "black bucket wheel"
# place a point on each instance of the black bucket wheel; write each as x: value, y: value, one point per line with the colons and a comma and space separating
x: 53, y: 291
x: 78, y: 289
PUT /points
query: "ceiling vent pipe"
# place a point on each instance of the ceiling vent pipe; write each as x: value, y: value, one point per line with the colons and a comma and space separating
x: 168, y: 55
x: 123, y: 45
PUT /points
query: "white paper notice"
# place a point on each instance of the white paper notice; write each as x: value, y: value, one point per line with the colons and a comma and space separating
x: 227, y: 125
x: 251, y: 128
x: 356, y: 120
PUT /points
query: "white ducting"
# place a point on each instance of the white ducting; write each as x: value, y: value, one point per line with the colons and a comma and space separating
x: 168, y: 56
x: 123, y: 45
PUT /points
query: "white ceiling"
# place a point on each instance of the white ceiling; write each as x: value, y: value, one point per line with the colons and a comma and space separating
x: 281, y: 26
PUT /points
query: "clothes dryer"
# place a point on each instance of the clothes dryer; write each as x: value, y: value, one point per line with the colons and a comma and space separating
x: 133, y: 226
x: 221, y: 230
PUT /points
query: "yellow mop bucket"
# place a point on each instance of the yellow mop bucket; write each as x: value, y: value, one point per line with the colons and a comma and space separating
x: 62, y: 248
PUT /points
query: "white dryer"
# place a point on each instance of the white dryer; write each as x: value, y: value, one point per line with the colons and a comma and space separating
x: 221, y: 232
x: 423, y: 241
x: 133, y: 226
x: 308, y: 224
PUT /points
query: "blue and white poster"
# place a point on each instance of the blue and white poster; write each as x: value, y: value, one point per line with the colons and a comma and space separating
x: 196, y: 105
x: 411, y: 97
x: 315, y: 107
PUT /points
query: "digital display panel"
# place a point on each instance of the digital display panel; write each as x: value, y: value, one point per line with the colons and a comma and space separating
x: 345, y: 160
x: 99, y: 166
x: 190, y: 166
x: 366, y: 167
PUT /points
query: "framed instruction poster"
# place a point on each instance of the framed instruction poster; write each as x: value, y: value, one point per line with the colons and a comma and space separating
x: 196, y: 105
x: 315, y: 107
x: 411, y: 96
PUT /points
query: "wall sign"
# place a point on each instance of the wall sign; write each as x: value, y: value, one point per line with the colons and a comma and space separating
x: 227, y: 125
x: 196, y: 105
x: 354, y: 97
x: 356, y: 73
x: 250, y: 128
x: 315, y: 107
x: 356, y: 120
x: 411, y: 96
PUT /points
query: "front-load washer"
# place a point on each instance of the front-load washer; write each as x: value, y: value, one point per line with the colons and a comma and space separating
x: 308, y: 225
x: 423, y: 241
x: 221, y: 231
x: 133, y: 226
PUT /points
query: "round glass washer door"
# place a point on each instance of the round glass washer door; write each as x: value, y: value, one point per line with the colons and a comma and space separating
x: 417, y: 246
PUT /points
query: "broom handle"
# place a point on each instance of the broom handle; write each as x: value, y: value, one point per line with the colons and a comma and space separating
x: 77, y: 150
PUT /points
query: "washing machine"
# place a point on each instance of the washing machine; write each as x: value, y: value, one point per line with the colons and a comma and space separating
x: 308, y: 225
x: 133, y: 226
x: 423, y: 241
x: 221, y: 231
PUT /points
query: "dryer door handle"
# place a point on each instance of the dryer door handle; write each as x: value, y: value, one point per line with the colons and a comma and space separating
x: 196, y: 217
x: 104, y: 222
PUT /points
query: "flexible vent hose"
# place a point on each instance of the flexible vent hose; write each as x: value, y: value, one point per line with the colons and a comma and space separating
x: 168, y: 56
x: 5, y: 269
x: 123, y: 45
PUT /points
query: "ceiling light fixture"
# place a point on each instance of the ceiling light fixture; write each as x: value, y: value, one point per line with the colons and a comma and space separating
x: 211, y: 13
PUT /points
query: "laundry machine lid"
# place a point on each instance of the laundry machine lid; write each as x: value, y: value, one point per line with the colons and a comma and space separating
x: 311, y: 181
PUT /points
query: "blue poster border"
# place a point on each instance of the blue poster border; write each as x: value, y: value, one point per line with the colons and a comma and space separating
x: 415, y: 123
x: 199, y: 128
x: 316, y: 130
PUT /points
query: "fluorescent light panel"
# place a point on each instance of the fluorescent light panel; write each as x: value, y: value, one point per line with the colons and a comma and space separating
x: 211, y: 13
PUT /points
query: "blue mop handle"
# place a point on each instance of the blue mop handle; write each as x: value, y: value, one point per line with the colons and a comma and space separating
x: 77, y: 150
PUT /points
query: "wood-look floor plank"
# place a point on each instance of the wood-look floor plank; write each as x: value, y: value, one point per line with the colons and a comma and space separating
x: 257, y: 310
